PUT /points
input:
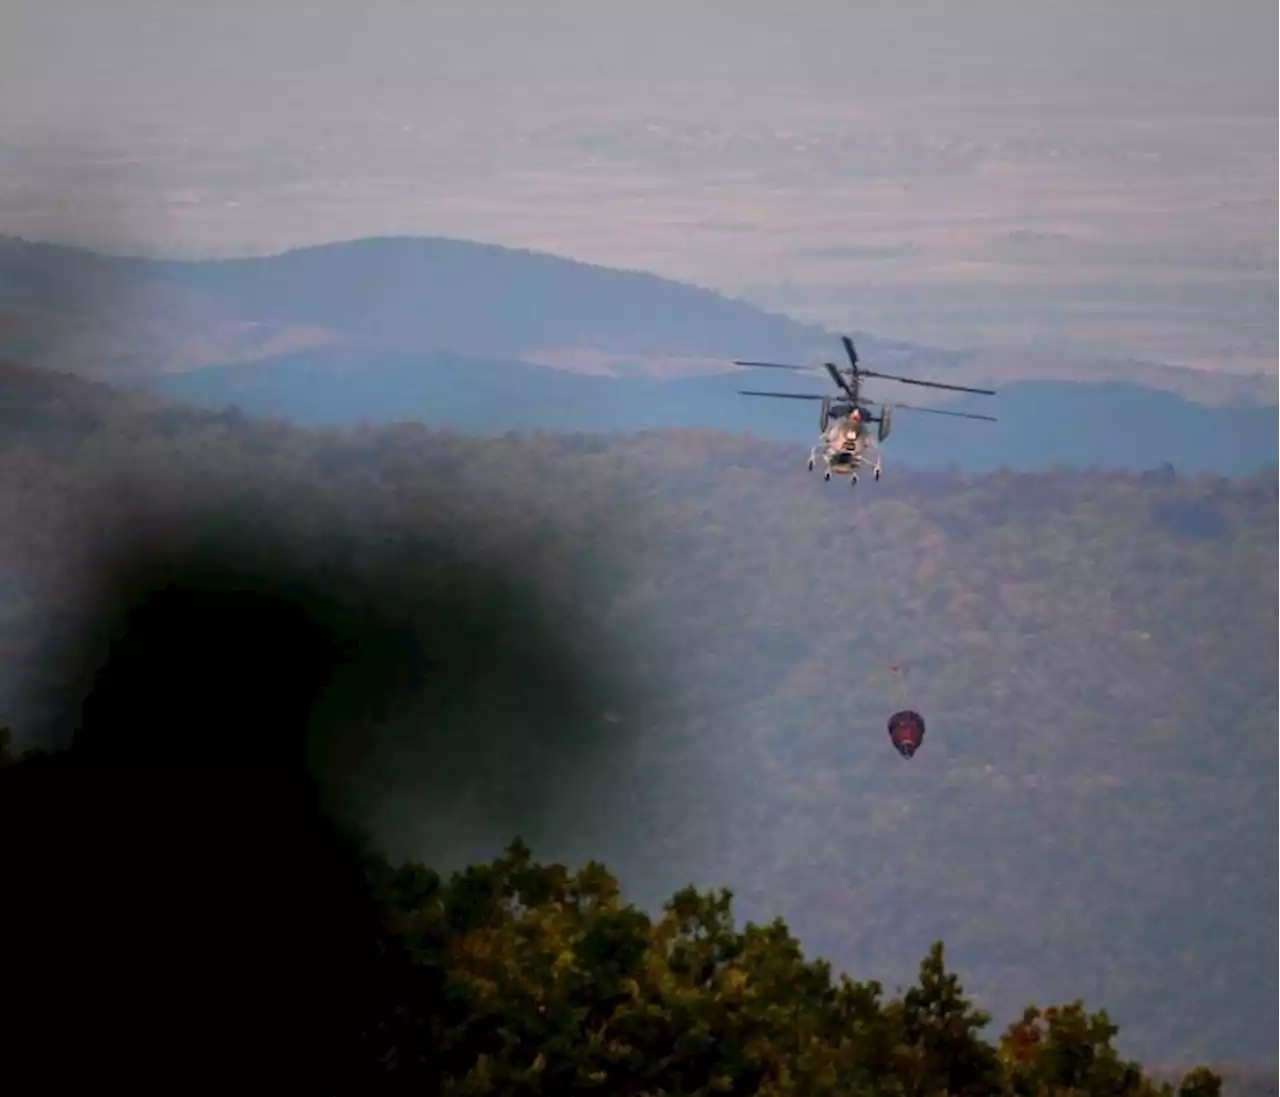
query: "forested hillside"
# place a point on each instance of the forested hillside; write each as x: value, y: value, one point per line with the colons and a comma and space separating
x: 1091, y: 815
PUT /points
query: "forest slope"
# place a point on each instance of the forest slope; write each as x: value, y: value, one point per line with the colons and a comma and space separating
x: 1092, y: 812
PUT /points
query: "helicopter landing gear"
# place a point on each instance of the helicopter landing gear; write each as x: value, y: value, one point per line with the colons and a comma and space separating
x: 826, y: 476
x: 810, y: 464
x: 853, y: 480
x: 876, y: 474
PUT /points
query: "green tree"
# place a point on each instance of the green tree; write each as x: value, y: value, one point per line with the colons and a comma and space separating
x: 548, y: 982
x: 1200, y: 1082
x: 1066, y: 1049
x: 943, y: 1028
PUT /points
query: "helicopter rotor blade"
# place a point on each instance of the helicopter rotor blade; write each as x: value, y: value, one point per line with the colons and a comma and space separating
x: 940, y: 411
x: 850, y: 351
x: 781, y: 395
x: 773, y: 365
x: 927, y: 384
x: 841, y: 383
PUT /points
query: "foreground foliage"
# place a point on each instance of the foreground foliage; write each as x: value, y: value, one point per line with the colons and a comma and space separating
x: 554, y: 984
x: 516, y: 977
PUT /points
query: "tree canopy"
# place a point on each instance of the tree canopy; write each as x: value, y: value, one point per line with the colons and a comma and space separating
x: 519, y: 977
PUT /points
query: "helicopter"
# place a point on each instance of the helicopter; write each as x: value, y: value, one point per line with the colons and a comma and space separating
x: 845, y: 444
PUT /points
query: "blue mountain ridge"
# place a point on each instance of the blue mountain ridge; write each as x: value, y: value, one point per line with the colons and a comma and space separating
x: 443, y: 331
x: 419, y: 292
x: 1041, y: 423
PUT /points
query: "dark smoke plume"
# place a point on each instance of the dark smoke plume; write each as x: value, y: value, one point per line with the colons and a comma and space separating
x: 183, y: 889
x: 183, y: 882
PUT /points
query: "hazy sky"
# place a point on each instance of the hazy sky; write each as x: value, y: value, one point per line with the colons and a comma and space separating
x: 1100, y: 173
x: 180, y: 56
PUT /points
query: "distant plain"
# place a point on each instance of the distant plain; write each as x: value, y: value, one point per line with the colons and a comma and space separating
x: 1141, y: 234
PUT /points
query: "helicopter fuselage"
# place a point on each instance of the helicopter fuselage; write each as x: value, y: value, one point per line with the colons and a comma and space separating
x: 844, y: 448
